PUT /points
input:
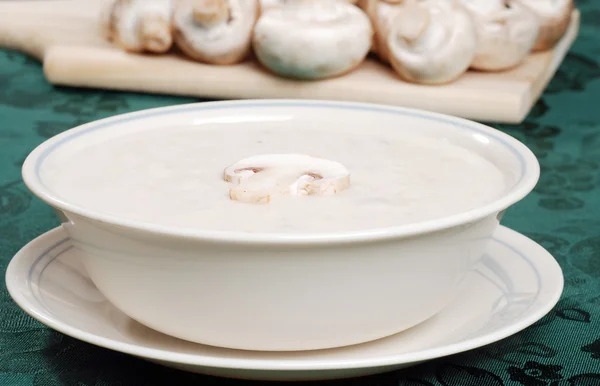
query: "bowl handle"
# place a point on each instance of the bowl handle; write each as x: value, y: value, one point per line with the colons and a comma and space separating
x: 61, y: 216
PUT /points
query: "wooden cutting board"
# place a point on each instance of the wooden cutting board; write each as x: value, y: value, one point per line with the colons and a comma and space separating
x: 65, y: 36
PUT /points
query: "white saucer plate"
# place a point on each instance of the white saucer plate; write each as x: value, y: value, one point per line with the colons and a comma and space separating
x: 515, y: 284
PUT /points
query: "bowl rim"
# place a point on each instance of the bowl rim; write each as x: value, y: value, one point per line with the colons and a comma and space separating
x: 529, y: 177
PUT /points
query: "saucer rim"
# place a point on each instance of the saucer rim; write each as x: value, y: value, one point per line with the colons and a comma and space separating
x: 552, y: 272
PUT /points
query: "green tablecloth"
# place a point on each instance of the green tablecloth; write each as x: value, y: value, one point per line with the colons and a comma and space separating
x: 563, y: 214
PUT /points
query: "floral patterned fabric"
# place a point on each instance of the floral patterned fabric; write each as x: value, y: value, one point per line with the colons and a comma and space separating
x: 563, y: 214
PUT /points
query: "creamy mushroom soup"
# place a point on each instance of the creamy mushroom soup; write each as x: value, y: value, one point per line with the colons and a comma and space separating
x: 275, y: 180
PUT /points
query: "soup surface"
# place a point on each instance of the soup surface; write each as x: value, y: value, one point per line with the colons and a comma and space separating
x: 174, y: 176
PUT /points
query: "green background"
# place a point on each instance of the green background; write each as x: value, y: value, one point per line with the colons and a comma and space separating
x: 563, y: 214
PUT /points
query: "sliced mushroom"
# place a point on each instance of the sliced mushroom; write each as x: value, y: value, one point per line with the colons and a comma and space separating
x: 215, y: 31
x: 312, y: 39
x: 555, y: 17
x: 506, y: 31
x: 139, y: 25
x: 260, y: 178
x: 381, y: 13
x: 431, y: 41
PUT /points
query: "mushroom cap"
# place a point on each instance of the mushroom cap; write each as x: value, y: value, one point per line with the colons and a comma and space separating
x: 555, y: 17
x: 141, y: 25
x: 224, y: 40
x: 382, y: 14
x: 312, y: 39
x: 431, y: 41
x: 506, y: 32
x: 259, y: 178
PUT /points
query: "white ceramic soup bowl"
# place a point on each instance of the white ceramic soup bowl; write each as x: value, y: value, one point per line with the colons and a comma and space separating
x: 283, y: 291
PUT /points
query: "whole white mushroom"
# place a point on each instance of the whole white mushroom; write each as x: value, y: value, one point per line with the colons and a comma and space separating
x: 312, y: 39
x: 215, y: 31
x: 506, y: 32
x: 431, y: 41
x: 139, y: 25
x: 555, y: 17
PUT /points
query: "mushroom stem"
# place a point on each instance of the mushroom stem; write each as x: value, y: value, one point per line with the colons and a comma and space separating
x: 155, y: 33
x: 412, y: 22
x: 210, y: 12
x: 106, y: 20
